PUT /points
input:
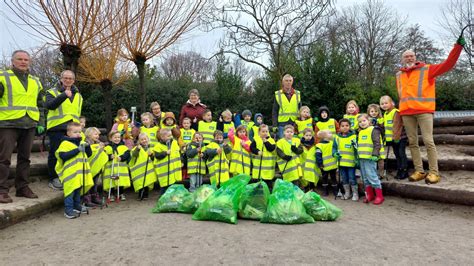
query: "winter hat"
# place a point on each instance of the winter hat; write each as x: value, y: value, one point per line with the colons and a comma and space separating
x: 256, y: 116
x: 170, y: 115
x: 246, y: 112
x: 320, y: 110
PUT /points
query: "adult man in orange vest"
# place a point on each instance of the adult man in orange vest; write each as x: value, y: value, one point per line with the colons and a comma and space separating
x: 416, y: 91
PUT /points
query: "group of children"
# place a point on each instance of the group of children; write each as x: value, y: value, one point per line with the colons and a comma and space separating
x: 162, y: 153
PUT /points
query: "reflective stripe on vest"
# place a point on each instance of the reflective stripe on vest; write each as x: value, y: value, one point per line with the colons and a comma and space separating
x: 17, y: 101
x: 168, y: 169
x: 240, y: 158
x: 264, y: 165
x: 388, y: 124
x: 207, y: 130
x: 311, y: 172
x: 346, y: 150
x: 329, y: 162
x: 415, y: 91
x: 66, y: 111
x: 120, y: 169
x: 152, y: 133
x: 196, y: 164
x: 302, y: 125
x: 290, y: 170
x: 365, y: 145
x: 328, y: 125
x: 288, y: 109
x: 187, y: 135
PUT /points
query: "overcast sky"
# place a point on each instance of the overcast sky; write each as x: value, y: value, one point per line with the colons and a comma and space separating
x: 424, y: 12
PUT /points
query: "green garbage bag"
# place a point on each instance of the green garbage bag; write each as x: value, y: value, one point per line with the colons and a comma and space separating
x: 254, y: 200
x: 298, y: 192
x: 320, y: 209
x: 223, y: 204
x: 194, y: 200
x: 172, y: 200
x: 284, y: 207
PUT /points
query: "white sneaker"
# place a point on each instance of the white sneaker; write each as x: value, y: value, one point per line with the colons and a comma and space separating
x: 122, y: 197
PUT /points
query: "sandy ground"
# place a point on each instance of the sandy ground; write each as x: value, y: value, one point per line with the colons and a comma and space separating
x: 398, y: 232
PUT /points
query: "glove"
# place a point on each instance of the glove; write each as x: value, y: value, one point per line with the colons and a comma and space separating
x: 337, y: 155
x: 81, y: 148
x: 461, y: 41
x: 374, y: 158
x: 357, y: 164
x: 287, y: 158
x: 275, y: 130
x: 294, y: 149
x: 396, y: 141
x: 40, y: 130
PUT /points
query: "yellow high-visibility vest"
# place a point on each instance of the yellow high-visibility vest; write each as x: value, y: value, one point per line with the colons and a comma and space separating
x: 120, y: 169
x: 248, y: 125
x: 288, y: 109
x: 388, y: 124
x: 196, y: 164
x: 290, y: 170
x: 168, y: 169
x: 187, y: 135
x: 18, y: 101
x: 207, y: 130
x: 263, y: 165
x: 353, y: 120
x: 98, y: 159
x: 152, y: 133
x: 218, y: 166
x: 138, y: 166
x: 346, y: 150
x: 311, y: 172
x: 329, y: 162
x: 328, y: 125
x: 67, y: 111
x: 240, y: 158
x: 75, y: 172
x: 303, y: 124
x: 365, y: 145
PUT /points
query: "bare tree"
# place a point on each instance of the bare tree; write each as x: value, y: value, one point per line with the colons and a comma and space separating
x: 73, y: 25
x: 457, y: 14
x: 189, y: 64
x: 160, y: 25
x: 46, y: 65
x: 257, y: 30
x: 423, y: 47
x: 371, y: 34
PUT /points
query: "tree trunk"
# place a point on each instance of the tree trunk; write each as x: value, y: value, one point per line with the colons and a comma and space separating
x: 451, y: 139
x: 456, y: 121
x: 71, y: 54
x: 140, y: 63
x: 107, y: 92
x: 457, y: 130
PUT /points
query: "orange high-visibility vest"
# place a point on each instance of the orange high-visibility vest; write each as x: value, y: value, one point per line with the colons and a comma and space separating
x: 416, y: 91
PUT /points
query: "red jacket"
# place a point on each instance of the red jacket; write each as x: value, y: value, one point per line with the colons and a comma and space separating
x: 191, y: 111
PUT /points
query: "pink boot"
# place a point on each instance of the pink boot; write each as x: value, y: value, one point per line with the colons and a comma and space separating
x: 369, y: 194
x: 378, y: 196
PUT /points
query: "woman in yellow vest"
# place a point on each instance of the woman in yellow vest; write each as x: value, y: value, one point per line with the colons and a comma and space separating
x: 368, y: 149
x: 311, y: 172
x: 395, y: 135
x: 207, y: 126
x: 125, y: 127
x: 115, y: 174
x: 149, y: 128
x: 97, y: 161
x: 64, y: 104
x: 196, y: 164
x: 216, y: 155
x: 73, y: 170
x: 141, y: 167
x: 344, y: 151
x: 288, y: 151
x: 304, y: 120
x: 167, y: 160
x: 325, y: 122
x: 240, y: 157
x: 352, y: 113
x: 326, y: 162
x: 263, y: 156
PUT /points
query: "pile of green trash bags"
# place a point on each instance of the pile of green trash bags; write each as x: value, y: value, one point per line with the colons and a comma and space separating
x: 287, y: 204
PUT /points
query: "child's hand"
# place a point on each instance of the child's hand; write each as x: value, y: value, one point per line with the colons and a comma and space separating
x: 219, y: 151
x: 111, y: 156
x: 220, y: 119
x: 150, y: 152
x: 119, y: 158
x: 200, y: 155
x: 195, y: 120
x: 139, y: 146
x: 374, y: 158
x: 101, y: 145
x: 199, y: 149
x: 260, y: 153
x: 168, y: 152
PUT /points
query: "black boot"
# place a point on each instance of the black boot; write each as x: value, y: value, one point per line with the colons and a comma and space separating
x: 403, y: 174
x: 335, y: 189
x: 325, y: 190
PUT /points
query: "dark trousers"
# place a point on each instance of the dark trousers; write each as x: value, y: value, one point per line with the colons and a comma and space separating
x: 399, y: 149
x: 326, y: 174
x: 55, y: 138
x: 23, y: 139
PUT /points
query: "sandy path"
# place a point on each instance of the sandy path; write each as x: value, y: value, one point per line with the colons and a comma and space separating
x: 400, y: 232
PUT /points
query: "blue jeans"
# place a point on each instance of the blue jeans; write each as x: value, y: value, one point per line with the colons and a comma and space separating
x: 195, y: 182
x: 72, y: 201
x: 368, y: 169
x: 55, y: 138
x: 280, y: 132
x: 348, y: 175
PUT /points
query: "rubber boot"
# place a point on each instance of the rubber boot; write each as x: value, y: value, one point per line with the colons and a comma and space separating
x: 88, y: 201
x: 96, y: 199
x: 347, y: 192
x: 369, y: 194
x: 378, y: 196
x: 355, y: 192
x: 325, y: 190
x: 335, y: 189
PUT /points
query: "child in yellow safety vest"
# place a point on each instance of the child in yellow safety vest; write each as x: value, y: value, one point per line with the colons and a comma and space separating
x: 263, y: 156
x: 82, y: 121
x: 196, y: 164
x: 288, y: 151
x: 258, y: 120
x: 245, y: 120
x: 125, y: 127
x: 352, y: 113
x: 225, y: 123
x: 395, y: 135
x: 149, y: 128
x: 115, y: 174
x: 311, y: 172
x: 376, y: 120
x: 97, y: 161
x: 368, y: 149
x: 141, y: 167
x: 304, y: 121
x: 170, y: 123
x: 167, y: 160
x: 344, y: 151
x: 325, y: 122
x: 240, y: 161
x: 326, y: 162
x: 216, y: 156
x: 73, y: 170
x: 207, y: 126
x: 186, y: 136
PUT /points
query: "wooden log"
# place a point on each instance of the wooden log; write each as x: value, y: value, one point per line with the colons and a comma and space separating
x: 443, y: 164
x: 458, y: 121
x: 457, y: 130
x: 451, y: 139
